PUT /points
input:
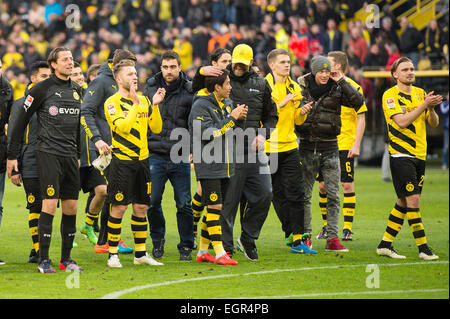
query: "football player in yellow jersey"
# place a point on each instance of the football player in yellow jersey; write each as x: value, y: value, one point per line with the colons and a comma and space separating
x: 349, y: 142
x: 129, y: 115
x: 282, y: 149
x: 407, y: 109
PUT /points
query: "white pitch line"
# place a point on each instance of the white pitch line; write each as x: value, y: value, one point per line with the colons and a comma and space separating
x: 117, y: 294
x: 347, y: 293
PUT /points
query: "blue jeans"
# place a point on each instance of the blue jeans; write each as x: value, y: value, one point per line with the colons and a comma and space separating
x: 179, y: 175
x: 326, y: 162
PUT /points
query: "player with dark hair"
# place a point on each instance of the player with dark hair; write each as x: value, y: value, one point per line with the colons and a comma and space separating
x: 212, y: 115
x: 28, y: 173
x: 56, y: 101
x: 219, y: 59
x: 164, y: 167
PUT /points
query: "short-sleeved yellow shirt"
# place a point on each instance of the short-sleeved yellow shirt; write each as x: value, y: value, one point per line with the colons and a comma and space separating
x: 412, y: 140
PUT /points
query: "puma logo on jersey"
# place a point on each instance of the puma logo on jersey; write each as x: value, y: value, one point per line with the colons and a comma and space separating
x: 59, y: 94
x: 254, y: 90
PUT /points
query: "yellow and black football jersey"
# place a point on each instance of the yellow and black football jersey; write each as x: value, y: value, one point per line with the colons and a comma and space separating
x: 129, y: 124
x: 412, y: 140
x: 283, y: 138
x: 348, y: 118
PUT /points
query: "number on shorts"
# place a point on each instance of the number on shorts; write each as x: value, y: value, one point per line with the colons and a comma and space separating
x: 421, y: 180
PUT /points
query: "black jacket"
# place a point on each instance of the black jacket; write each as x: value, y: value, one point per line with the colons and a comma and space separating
x: 254, y: 91
x: 27, y: 158
x: 323, y: 123
x: 174, y: 110
x: 6, y: 102
x: 210, y: 128
x: 92, y: 108
x: 57, y: 104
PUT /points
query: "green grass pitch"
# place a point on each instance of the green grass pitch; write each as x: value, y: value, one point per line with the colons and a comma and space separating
x: 358, y: 274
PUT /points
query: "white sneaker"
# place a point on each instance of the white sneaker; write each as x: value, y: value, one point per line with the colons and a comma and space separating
x: 114, y: 262
x: 146, y: 260
x: 389, y: 252
x: 428, y: 257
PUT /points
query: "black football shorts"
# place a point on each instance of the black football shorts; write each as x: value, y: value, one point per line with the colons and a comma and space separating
x: 90, y: 177
x: 129, y: 182
x: 213, y: 191
x: 408, y: 175
x: 59, y: 176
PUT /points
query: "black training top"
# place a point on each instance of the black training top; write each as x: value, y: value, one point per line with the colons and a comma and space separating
x: 57, y: 104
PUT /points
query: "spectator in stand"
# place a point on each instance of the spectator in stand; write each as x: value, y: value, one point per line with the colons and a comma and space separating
x: 91, y: 20
x: 388, y: 28
x: 281, y: 18
x: 311, y: 11
x: 243, y: 12
x: 183, y: 47
x: 52, y: 8
x: 299, y: 40
x: 315, y: 41
x: 393, y: 55
x: 180, y: 11
x: 332, y: 37
x: 376, y: 58
x: 353, y: 59
x: 435, y: 41
x: 218, y: 12
x: 30, y: 55
x: 232, y: 36
x: 358, y: 43
x: 294, y: 8
x: 200, y: 42
x: 324, y: 13
x: 410, y: 41
x: 346, y: 37
x: 12, y: 57
x: 196, y: 14
x: 281, y: 37
x: 36, y: 15
x: 267, y: 42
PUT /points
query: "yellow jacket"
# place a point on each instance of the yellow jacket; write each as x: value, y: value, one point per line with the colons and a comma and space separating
x: 283, y: 138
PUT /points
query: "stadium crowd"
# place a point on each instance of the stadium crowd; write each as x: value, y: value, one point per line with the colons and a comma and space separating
x: 193, y: 29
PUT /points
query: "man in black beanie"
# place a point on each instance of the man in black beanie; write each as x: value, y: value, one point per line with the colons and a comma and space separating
x: 318, y: 137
